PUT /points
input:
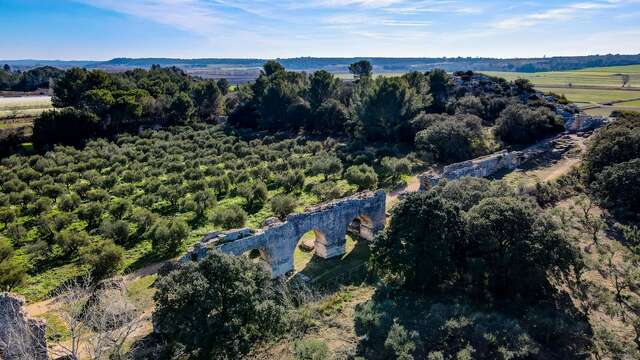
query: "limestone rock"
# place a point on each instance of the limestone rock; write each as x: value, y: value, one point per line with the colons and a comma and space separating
x: 20, y: 336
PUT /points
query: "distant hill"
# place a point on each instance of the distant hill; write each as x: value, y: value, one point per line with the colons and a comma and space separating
x: 380, y: 64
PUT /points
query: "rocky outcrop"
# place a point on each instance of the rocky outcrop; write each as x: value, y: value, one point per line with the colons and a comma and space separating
x: 277, y: 241
x: 580, y: 123
x: 20, y: 337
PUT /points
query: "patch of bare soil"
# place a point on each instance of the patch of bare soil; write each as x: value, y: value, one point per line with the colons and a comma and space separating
x: 412, y: 185
x: 563, y: 155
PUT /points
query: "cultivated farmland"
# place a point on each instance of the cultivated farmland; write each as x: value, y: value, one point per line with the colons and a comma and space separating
x: 24, y: 106
x: 598, y: 90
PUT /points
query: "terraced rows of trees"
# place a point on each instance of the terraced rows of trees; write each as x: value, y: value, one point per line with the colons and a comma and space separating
x: 112, y: 202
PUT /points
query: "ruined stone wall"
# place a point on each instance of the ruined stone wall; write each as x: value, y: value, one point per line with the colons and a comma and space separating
x: 574, y: 122
x: 277, y: 241
x: 20, y: 337
x: 481, y: 167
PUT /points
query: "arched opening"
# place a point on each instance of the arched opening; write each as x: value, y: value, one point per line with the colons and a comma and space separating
x: 361, y: 227
x: 260, y: 257
x: 314, y: 265
x: 306, y: 249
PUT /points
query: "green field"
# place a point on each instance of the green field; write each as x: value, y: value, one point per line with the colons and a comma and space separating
x: 588, y: 87
x: 593, y: 96
x: 604, y: 76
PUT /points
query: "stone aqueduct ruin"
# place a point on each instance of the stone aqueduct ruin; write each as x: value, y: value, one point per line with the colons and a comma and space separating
x: 362, y: 214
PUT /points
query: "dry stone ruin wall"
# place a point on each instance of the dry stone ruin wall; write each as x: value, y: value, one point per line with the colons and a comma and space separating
x: 277, y: 241
x: 20, y: 337
x: 574, y: 122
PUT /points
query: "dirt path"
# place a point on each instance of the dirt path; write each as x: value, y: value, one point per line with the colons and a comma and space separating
x: 413, y: 184
x: 38, y: 309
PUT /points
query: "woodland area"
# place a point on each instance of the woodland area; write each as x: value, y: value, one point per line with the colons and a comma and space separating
x: 132, y: 168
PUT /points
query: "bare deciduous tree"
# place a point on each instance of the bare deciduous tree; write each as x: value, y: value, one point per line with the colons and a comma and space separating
x: 100, y: 319
x: 113, y: 319
x: 625, y: 79
x: 593, y: 223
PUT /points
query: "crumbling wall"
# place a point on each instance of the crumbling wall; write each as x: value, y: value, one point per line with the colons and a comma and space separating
x: 277, y: 241
x: 481, y: 167
x: 21, y: 338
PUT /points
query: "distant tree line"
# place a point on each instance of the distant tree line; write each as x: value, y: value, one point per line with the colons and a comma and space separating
x: 30, y: 80
x: 383, y: 64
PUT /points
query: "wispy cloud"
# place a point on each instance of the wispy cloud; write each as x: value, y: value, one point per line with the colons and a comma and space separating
x: 364, y: 3
x: 191, y: 15
x: 435, y: 6
x: 567, y: 12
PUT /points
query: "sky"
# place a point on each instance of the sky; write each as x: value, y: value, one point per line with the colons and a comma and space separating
x: 104, y: 29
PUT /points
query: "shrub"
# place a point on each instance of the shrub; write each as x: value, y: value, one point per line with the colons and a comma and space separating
x: 471, y: 105
x: 232, y: 217
x: 363, y: 176
x: 400, y: 342
x: 311, y: 349
x: 12, y: 271
x: 167, y: 236
x: 238, y: 297
x: 618, y: 189
x: 104, y: 258
x: 546, y: 194
x: 519, y: 124
x: 394, y: 168
x: 327, y: 190
x: 452, y: 140
x: 283, y: 205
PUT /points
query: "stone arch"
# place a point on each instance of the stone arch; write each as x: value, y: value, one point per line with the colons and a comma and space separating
x: 260, y: 256
x: 308, y: 247
x: 362, y: 226
x: 311, y: 244
x: 278, y: 240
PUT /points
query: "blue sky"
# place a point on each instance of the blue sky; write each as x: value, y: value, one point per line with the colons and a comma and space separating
x: 103, y: 29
